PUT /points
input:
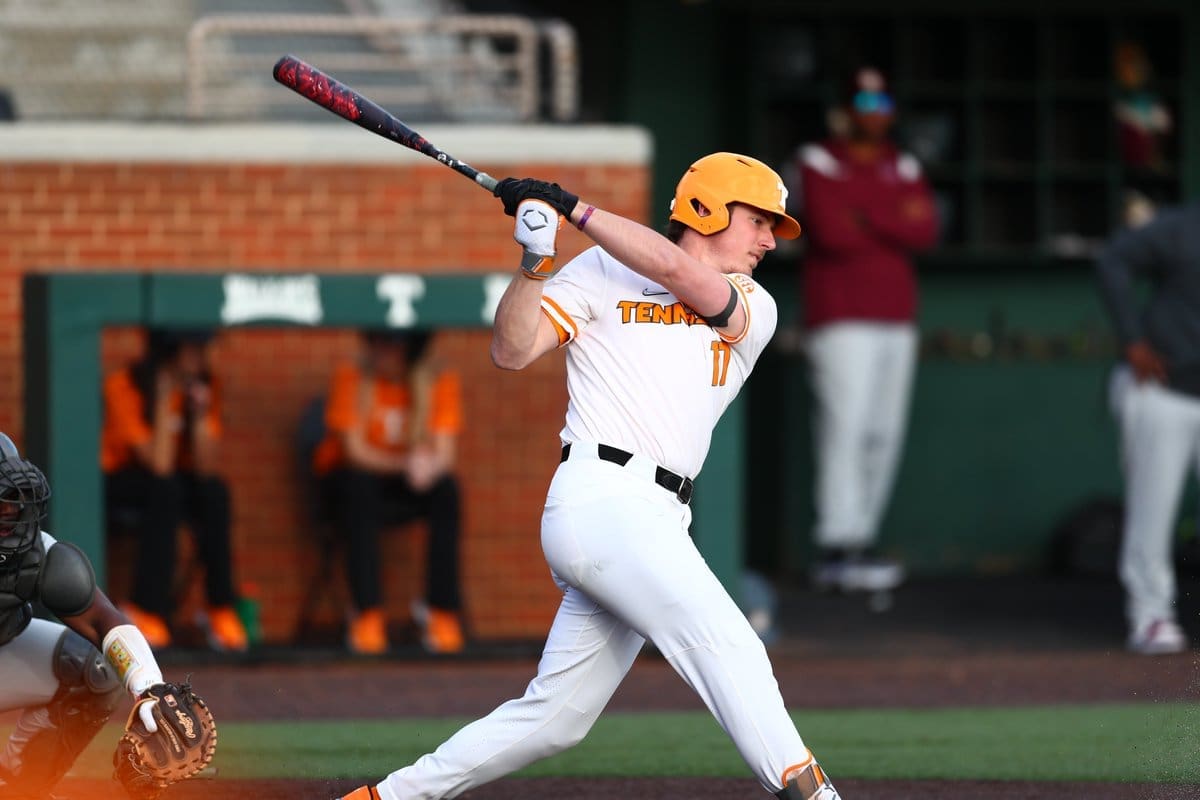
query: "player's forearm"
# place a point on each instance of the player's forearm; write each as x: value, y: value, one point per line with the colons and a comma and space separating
x: 363, y: 455
x: 127, y: 650
x: 833, y: 219
x: 656, y: 258
x: 158, y: 454
x: 205, y: 449
x: 1117, y: 291
x: 122, y: 643
x: 96, y: 620
x: 515, y: 329
x: 911, y: 224
x: 445, y: 452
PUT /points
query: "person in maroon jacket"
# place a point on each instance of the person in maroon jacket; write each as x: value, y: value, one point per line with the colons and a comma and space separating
x: 865, y: 208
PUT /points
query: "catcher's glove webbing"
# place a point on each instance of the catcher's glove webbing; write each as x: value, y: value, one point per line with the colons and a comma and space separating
x: 146, y: 763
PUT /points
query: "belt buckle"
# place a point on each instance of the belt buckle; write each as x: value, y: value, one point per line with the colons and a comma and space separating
x: 684, y: 495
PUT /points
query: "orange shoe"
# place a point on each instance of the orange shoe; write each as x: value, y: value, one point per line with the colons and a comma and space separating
x: 367, y: 633
x: 225, y: 630
x: 362, y: 793
x: 152, y: 626
x: 443, y: 632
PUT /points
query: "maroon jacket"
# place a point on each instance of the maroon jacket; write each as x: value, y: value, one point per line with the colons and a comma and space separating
x: 861, y: 222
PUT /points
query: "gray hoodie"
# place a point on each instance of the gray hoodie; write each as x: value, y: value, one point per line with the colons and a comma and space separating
x: 1167, y: 251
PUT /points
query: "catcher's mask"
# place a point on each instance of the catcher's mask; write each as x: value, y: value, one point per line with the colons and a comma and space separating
x: 719, y: 179
x: 24, y: 495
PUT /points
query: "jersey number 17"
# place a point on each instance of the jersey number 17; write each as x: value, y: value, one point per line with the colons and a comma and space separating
x: 722, y: 353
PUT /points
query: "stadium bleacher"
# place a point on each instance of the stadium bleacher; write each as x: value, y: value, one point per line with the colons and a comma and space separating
x: 211, y: 59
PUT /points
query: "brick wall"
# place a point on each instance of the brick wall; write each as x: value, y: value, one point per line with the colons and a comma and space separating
x: 143, y: 214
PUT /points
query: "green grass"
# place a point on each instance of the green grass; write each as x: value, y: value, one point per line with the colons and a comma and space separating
x: 1143, y: 743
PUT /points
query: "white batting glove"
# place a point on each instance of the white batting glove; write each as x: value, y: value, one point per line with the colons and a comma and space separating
x: 537, y: 226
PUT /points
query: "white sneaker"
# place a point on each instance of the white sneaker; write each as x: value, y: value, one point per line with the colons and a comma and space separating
x: 857, y: 573
x: 1158, y: 637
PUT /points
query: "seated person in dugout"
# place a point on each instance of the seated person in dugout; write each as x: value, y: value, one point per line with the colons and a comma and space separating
x: 160, y: 454
x: 388, y: 457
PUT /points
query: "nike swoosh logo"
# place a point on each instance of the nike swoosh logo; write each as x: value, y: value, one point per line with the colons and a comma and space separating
x: 648, y: 293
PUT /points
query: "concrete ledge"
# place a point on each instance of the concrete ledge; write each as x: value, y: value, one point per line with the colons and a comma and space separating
x: 341, y: 143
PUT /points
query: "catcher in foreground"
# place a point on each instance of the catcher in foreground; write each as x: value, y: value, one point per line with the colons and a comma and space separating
x: 170, y: 734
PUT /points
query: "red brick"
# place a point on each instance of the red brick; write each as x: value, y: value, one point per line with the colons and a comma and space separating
x: 242, y: 217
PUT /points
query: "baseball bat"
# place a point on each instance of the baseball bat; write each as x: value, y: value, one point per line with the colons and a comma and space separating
x: 315, y: 85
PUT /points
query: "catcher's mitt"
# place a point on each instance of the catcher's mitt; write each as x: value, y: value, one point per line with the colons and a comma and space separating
x: 146, y: 763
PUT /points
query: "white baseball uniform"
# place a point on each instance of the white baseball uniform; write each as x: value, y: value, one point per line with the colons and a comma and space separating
x: 1159, y: 416
x: 646, y: 376
x: 862, y: 376
x: 1160, y: 445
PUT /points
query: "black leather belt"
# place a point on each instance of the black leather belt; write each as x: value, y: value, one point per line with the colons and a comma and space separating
x: 677, y: 485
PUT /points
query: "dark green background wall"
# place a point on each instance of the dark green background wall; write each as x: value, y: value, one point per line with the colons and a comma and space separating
x: 1002, y: 445
x: 1010, y: 428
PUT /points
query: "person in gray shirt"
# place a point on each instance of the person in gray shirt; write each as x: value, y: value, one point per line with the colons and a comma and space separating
x: 1157, y: 404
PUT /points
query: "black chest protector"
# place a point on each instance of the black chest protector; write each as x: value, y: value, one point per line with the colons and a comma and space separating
x: 18, y: 587
x: 61, y: 578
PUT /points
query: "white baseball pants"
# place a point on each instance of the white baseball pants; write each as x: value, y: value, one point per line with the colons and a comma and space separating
x: 861, y: 375
x: 27, y: 678
x: 1160, y: 441
x: 618, y: 546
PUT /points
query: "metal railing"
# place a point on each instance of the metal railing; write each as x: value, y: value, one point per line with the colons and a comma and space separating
x: 479, y: 68
x: 564, y: 68
x: 74, y: 59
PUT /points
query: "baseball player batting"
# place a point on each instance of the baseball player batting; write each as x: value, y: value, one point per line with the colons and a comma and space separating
x: 660, y: 334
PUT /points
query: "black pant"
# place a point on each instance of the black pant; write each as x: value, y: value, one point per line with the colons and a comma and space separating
x: 362, y: 503
x: 159, y: 505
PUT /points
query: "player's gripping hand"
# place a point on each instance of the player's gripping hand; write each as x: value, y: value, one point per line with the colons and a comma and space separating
x: 512, y: 191
x: 537, y: 229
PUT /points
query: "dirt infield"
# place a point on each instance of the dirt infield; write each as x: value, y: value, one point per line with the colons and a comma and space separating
x: 944, y: 645
x: 664, y: 789
x: 339, y: 689
x: 382, y: 690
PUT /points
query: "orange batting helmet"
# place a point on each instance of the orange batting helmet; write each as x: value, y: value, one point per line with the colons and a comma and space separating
x: 719, y: 179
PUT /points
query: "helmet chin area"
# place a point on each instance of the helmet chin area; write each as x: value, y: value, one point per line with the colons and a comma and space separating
x: 10, y: 516
x: 18, y: 525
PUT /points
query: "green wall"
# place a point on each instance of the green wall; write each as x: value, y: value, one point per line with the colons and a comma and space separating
x: 64, y: 316
x: 1001, y: 445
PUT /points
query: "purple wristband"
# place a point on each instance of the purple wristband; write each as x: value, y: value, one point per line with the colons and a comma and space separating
x: 583, y: 220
